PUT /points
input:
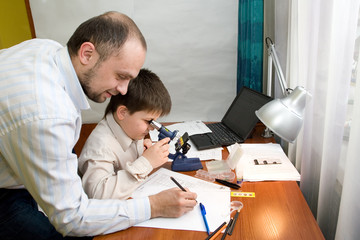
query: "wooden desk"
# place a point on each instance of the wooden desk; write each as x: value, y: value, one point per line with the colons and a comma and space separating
x: 278, y: 211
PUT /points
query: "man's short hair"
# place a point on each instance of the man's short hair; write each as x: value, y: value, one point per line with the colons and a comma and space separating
x: 108, y: 32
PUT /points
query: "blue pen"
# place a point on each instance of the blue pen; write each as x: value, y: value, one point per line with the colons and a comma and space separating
x: 203, y: 213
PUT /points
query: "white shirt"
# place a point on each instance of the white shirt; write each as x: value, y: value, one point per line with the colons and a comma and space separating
x: 40, y: 103
x: 111, y: 162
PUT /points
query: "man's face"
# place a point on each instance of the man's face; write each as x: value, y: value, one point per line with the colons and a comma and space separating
x: 112, y: 76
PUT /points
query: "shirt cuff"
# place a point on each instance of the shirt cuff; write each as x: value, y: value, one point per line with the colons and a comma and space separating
x: 141, y: 210
x: 140, y: 168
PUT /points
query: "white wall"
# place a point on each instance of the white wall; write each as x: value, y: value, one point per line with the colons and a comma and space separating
x: 192, y: 46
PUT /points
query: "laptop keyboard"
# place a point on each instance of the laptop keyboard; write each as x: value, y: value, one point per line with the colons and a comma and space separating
x: 222, y: 135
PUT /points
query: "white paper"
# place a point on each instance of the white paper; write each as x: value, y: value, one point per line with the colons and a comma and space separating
x: 247, y: 168
x: 216, y: 199
x: 214, y: 153
x: 191, y: 127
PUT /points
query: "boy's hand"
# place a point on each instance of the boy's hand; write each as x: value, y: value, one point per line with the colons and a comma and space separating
x: 147, y: 143
x: 158, y: 153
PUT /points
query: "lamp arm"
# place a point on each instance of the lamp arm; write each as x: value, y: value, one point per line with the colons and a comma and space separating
x: 272, y: 57
x: 269, y: 79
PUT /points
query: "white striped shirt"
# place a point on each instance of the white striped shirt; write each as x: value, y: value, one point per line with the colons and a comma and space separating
x: 40, y: 103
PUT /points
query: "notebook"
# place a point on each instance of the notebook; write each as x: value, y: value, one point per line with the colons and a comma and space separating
x: 237, y: 123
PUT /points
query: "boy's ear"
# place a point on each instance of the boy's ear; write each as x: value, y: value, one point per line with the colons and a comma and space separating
x: 121, y: 112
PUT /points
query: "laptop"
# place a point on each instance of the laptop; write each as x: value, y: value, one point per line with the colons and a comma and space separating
x: 237, y: 123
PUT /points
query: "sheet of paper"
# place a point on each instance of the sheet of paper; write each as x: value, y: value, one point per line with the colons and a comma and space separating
x: 216, y: 199
x: 191, y: 127
x: 214, y: 153
x: 284, y: 170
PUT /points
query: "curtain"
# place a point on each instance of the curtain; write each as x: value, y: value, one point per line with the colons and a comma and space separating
x: 250, y: 44
x: 321, y: 40
x: 349, y: 213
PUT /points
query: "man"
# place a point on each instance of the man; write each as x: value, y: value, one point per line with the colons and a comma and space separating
x: 44, y: 88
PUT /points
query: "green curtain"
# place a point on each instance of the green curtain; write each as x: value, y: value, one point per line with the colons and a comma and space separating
x: 250, y: 44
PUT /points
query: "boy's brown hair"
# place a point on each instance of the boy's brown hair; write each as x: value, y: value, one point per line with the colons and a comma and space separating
x: 146, y: 92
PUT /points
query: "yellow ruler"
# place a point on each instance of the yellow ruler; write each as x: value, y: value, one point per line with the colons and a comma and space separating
x: 242, y: 194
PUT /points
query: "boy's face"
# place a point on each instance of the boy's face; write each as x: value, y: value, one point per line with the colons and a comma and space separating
x: 135, y: 125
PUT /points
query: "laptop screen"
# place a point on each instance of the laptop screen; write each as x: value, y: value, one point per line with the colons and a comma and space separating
x: 240, y: 116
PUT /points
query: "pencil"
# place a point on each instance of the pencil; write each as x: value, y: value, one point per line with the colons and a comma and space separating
x: 218, y: 232
x: 181, y: 187
x: 227, y: 229
x: 178, y: 184
x: 233, y: 223
x: 219, y: 229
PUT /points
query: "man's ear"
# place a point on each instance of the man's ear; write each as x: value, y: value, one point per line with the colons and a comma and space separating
x: 121, y: 112
x: 86, y: 53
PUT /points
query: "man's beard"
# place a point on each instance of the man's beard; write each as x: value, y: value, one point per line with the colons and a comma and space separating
x: 86, y: 82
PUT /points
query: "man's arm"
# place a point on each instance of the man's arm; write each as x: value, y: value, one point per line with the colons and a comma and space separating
x: 40, y: 155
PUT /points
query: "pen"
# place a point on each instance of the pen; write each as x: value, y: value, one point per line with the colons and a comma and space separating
x: 203, y: 212
x: 217, y: 231
x: 178, y: 184
x: 227, y: 229
x: 233, y: 223
x: 226, y: 183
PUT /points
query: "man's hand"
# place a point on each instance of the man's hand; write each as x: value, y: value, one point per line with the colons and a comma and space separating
x: 158, y: 153
x: 172, y: 203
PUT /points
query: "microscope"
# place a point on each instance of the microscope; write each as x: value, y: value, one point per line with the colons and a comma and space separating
x: 180, y: 161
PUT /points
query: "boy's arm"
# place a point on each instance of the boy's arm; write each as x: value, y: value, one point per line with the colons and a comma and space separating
x: 154, y: 156
x: 103, y: 176
x: 101, y: 181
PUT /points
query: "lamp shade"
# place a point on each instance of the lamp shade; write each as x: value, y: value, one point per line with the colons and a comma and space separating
x: 285, y: 116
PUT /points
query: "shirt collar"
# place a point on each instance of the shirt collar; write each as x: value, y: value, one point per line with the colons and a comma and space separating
x: 118, y: 132
x: 71, y: 81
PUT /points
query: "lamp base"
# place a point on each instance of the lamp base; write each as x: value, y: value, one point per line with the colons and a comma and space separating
x: 267, y: 133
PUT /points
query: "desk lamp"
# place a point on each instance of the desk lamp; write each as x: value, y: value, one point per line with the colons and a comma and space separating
x: 284, y: 116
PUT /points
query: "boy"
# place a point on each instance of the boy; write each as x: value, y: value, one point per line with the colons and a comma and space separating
x: 113, y: 161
